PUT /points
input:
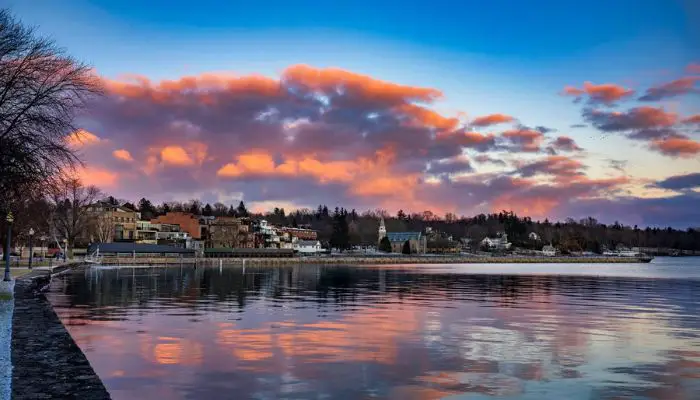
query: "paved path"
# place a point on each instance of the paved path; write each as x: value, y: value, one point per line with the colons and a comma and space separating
x: 47, y: 364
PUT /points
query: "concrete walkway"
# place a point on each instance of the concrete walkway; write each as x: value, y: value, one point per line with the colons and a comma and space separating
x: 47, y: 364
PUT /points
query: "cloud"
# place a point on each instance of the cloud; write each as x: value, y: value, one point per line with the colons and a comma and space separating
x: 460, y: 164
x: 524, y: 140
x: 678, y: 146
x: 82, y: 138
x: 485, y: 159
x: 123, y: 155
x: 329, y: 136
x: 671, y: 89
x: 606, y: 94
x: 636, y: 118
x: 680, y: 182
x: 578, y: 126
x: 618, y: 165
x: 558, y: 166
x: 693, y: 68
x: 565, y: 143
x: 692, y: 120
x: 492, y: 119
x: 176, y: 155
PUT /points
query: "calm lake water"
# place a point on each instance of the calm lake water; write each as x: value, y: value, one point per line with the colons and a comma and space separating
x: 400, y: 332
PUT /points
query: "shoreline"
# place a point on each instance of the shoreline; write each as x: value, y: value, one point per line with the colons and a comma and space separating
x: 369, y: 260
x: 46, y: 361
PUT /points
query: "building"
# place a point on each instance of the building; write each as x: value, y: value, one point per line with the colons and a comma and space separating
x: 307, y: 247
x: 300, y: 233
x: 534, y: 236
x: 228, y: 232
x: 417, y: 242
x: 110, y: 222
x: 188, y: 222
x: 500, y: 242
x: 549, y: 251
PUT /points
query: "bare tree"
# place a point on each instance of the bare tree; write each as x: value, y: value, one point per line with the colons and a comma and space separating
x: 102, y: 228
x: 41, y: 90
x: 70, y: 217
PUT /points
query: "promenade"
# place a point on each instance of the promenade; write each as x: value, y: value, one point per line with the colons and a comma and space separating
x: 46, y: 362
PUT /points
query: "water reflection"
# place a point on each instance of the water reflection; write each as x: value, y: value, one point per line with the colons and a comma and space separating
x: 342, y: 332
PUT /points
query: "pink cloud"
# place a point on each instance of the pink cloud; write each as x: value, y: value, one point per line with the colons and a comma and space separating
x: 606, y: 93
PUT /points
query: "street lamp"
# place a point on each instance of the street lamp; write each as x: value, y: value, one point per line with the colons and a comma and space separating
x: 65, y: 248
x: 43, y: 246
x: 31, y: 248
x: 10, y: 219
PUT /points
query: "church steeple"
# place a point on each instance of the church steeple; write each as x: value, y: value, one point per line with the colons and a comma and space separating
x: 382, y: 229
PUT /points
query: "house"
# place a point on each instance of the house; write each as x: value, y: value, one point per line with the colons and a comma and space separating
x: 308, y: 247
x: 534, y: 236
x: 417, y: 242
x: 111, y: 222
x: 188, y: 222
x: 500, y: 242
x: 549, y: 251
x: 300, y: 233
x: 228, y: 232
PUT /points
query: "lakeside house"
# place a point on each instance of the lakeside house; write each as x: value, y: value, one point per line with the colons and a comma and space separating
x: 500, y: 242
x: 534, y: 236
x: 417, y: 242
x: 549, y: 251
x: 307, y: 247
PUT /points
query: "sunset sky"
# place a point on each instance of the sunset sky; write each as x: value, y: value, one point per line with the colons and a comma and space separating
x: 540, y: 107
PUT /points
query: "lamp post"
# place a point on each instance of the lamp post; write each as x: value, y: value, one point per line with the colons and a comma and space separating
x: 10, y: 219
x: 43, y: 247
x: 65, y: 249
x: 31, y: 248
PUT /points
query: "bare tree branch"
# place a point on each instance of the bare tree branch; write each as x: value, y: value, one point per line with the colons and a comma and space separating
x: 41, y: 91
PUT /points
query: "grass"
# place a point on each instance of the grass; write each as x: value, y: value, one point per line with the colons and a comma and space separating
x: 17, y: 272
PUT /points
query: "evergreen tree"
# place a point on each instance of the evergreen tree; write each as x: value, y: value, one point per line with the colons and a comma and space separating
x: 231, y: 212
x: 385, y: 245
x: 147, y: 210
x: 406, y: 247
x: 207, y: 210
x: 340, y: 238
x: 241, y: 211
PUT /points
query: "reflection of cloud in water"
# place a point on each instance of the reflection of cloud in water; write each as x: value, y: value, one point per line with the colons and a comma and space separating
x: 357, y: 333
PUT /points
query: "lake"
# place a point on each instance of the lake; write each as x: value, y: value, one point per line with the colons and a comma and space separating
x: 544, y: 331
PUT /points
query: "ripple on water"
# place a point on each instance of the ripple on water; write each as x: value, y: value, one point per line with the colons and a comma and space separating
x: 344, y: 332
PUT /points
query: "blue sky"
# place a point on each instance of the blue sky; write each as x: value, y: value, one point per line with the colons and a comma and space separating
x: 511, y: 57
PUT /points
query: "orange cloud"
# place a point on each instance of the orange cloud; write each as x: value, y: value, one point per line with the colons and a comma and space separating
x: 492, y: 119
x: 136, y: 86
x: 526, y: 139
x: 123, y: 155
x: 693, y: 119
x: 81, y: 138
x: 677, y: 146
x: 331, y: 79
x: 100, y: 177
x: 176, y: 155
x: 426, y: 117
x: 606, y: 93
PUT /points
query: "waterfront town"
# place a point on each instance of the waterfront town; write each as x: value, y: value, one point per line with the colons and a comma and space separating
x: 85, y: 225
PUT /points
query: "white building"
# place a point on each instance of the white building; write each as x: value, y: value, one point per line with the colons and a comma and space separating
x: 534, y: 236
x: 308, y: 246
x: 497, y: 243
x: 549, y: 251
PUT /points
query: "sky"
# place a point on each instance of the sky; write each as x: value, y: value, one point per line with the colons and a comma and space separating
x: 546, y: 108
